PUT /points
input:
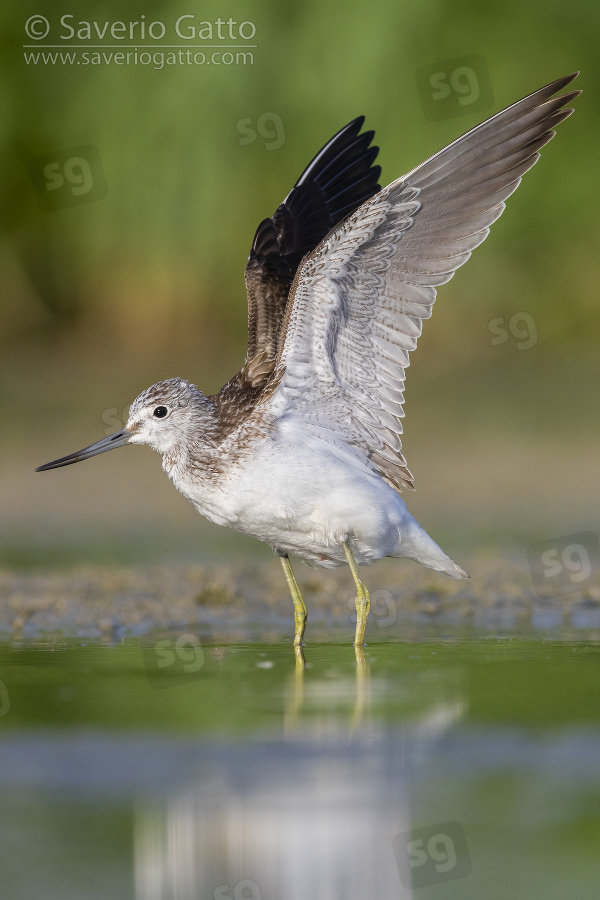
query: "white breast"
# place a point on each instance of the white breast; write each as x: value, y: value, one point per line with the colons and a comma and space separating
x: 302, y: 495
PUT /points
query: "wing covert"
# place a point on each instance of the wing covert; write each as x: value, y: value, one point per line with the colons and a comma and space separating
x: 359, y: 299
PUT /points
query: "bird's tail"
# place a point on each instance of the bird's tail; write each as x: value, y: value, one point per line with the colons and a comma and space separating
x: 416, y: 544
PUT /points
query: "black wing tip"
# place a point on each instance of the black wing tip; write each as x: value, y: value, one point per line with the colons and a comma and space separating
x: 368, y: 134
x: 345, y: 161
x: 359, y: 121
x: 353, y: 126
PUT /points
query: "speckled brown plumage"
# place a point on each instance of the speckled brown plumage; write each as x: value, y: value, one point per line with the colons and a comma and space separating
x: 352, y: 271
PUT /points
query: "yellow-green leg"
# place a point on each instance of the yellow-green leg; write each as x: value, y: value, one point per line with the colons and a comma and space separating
x: 363, y: 600
x: 300, y: 614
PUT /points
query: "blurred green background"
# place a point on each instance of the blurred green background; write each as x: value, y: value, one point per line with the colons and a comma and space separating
x: 145, y: 281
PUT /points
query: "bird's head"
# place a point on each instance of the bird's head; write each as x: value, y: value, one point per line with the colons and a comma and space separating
x: 166, y: 414
x: 167, y: 417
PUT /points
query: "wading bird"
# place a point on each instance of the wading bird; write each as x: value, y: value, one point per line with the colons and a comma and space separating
x: 302, y: 447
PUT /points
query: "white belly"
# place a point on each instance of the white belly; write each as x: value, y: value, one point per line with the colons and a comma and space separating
x: 305, y: 500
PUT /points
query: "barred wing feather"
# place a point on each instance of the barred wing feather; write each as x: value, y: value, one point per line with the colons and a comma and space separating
x: 358, y: 301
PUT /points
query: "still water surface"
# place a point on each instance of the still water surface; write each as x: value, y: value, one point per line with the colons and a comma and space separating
x: 451, y: 766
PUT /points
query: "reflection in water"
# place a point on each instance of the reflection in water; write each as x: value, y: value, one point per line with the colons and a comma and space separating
x: 278, y: 777
x: 311, y: 813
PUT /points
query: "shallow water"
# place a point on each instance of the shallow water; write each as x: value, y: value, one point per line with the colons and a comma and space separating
x: 176, y: 768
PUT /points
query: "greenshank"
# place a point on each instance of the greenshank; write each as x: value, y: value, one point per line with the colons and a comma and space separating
x: 302, y: 448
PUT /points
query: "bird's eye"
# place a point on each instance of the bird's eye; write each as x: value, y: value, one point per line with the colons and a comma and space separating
x: 160, y: 412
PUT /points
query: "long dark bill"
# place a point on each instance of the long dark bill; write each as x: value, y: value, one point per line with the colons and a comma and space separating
x: 119, y: 439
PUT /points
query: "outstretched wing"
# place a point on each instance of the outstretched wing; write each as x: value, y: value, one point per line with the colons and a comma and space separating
x: 357, y: 303
x: 337, y: 181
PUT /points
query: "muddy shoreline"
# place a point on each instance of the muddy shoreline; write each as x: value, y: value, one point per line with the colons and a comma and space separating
x: 245, y: 601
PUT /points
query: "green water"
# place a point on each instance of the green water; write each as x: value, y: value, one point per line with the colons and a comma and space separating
x: 174, y: 768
